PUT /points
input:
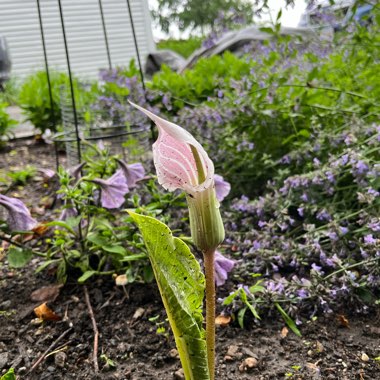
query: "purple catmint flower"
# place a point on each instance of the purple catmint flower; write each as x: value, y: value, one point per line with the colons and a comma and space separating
x: 316, y: 268
x: 361, y: 168
x: 333, y: 235
x: 304, y: 197
x: 302, y: 293
x: 301, y: 211
x: 374, y: 225
x: 222, y: 187
x: 19, y: 218
x: 373, y: 192
x: 323, y: 215
x: 285, y: 159
x: 113, y: 190
x: 343, y: 230
x: 132, y: 172
x: 222, y: 267
x: 369, y: 239
x: 330, y: 177
x: 261, y: 223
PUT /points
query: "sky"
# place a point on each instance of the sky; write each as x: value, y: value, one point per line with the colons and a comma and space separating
x: 290, y: 17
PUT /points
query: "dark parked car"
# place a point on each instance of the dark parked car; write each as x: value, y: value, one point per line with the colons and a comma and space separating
x: 233, y: 41
x: 5, y: 61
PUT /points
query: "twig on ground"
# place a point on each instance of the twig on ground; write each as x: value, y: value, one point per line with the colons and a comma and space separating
x: 95, y: 328
x: 43, y: 356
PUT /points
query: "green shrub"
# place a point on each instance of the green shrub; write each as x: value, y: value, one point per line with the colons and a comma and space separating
x: 34, y: 98
x: 6, y: 123
x: 182, y: 47
x: 10, y: 92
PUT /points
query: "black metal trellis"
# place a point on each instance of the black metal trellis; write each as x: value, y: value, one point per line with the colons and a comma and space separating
x: 76, y: 131
x: 136, y: 45
x: 48, y: 78
x: 105, y: 34
x: 70, y: 80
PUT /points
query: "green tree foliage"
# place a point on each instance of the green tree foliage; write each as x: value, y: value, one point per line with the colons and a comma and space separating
x: 193, y: 14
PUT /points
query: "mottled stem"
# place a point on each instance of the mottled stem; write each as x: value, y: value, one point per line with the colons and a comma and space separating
x: 209, y: 264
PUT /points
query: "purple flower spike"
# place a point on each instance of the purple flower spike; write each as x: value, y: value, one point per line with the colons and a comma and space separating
x: 113, y: 190
x: 222, y: 267
x: 222, y: 187
x: 19, y: 218
x: 133, y: 172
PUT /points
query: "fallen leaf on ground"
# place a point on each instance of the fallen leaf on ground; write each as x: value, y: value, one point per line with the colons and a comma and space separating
x: 343, y: 321
x: 45, y: 313
x: 46, y: 293
x: 312, y: 366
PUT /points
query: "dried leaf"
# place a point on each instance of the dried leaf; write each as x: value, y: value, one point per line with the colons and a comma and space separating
x: 343, y: 321
x: 222, y: 320
x: 46, y: 293
x: 41, y: 229
x: 312, y: 366
x: 45, y: 313
x: 284, y: 332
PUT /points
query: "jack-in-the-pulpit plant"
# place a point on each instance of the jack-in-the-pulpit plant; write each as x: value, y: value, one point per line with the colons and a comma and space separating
x: 182, y: 163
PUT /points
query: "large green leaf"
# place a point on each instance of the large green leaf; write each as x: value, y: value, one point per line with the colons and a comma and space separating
x: 181, y: 283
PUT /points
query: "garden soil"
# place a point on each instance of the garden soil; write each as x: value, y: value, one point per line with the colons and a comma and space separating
x: 134, y: 339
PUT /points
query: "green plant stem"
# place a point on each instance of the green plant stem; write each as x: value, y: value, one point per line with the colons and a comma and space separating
x: 344, y: 269
x: 209, y: 264
x: 20, y: 245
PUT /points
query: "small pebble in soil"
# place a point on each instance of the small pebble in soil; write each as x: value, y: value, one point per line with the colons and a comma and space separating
x: 173, y: 353
x: 365, y: 357
x: 248, y: 364
x: 60, y: 359
x: 179, y: 375
x: 3, y: 359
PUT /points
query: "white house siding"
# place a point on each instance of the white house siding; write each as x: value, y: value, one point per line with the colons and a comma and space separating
x: 20, y: 25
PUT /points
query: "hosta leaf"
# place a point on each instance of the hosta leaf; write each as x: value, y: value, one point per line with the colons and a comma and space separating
x: 181, y: 285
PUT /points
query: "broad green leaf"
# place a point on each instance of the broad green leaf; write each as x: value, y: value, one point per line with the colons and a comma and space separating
x: 58, y: 223
x: 181, y: 285
x: 10, y: 375
x: 289, y: 321
x: 241, y: 315
x: 19, y: 257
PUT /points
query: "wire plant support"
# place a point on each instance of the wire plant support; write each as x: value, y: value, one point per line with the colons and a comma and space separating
x: 116, y: 135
